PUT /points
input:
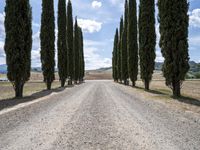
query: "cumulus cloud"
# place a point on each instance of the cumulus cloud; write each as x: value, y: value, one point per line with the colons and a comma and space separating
x: 93, y: 59
x: 195, y: 18
x: 2, y: 30
x: 96, y: 4
x: 90, y: 26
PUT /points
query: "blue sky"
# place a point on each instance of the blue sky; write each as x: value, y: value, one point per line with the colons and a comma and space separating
x: 99, y: 19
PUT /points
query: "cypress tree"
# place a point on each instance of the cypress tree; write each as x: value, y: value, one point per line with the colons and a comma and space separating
x: 70, y: 42
x: 76, y: 51
x: 18, y: 43
x: 114, y: 59
x: 132, y: 42
x: 174, y: 22
x: 82, y: 62
x: 120, y: 50
x: 124, y: 60
x: 47, y: 37
x: 61, y: 43
x: 147, y: 40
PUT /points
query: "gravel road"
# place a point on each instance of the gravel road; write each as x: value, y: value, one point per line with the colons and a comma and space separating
x: 98, y: 115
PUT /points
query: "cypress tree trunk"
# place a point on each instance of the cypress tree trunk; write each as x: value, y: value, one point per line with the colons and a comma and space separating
x: 61, y: 43
x: 176, y: 89
x: 70, y: 43
x: 174, y: 42
x: 132, y: 42
x: 146, y: 83
x: 18, y: 43
x: 19, y: 89
x: 147, y: 40
x: 48, y: 84
x: 47, y: 37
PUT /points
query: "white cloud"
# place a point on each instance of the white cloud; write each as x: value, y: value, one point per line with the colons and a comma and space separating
x: 159, y: 57
x: 195, y: 18
x: 2, y: 30
x: 90, y: 26
x: 96, y: 4
x: 93, y: 59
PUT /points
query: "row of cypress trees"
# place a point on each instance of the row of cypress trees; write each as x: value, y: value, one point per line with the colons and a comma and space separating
x: 173, y: 19
x: 125, y: 51
x: 18, y: 44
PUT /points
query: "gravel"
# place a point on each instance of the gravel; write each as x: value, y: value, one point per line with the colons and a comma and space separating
x: 98, y: 115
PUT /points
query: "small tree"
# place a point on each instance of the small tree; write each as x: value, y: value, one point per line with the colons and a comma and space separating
x: 18, y: 43
x: 174, y: 22
x: 147, y: 40
x: 62, y: 44
x: 47, y: 37
x: 132, y: 42
x: 70, y: 42
x: 124, y: 60
x: 114, y: 59
x: 81, y: 60
x: 76, y: 52
x: 120, y: 50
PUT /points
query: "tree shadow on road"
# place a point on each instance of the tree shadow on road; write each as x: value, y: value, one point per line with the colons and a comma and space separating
x: 188, y: 100
x: 182, y: 99
x: 6, y: 103
x: 151, y: 91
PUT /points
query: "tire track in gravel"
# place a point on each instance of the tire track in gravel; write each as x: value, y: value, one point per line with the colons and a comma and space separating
x: 38, y: 125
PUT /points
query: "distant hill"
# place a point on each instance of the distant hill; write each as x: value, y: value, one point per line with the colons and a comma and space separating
x: 194, y: 68
x: 3, y: 69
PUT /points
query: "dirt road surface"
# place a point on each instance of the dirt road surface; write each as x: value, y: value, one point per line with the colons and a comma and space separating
x: 98, y: 115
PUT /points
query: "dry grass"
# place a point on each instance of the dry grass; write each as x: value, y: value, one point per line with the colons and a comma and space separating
x: 95, y: 75
x: 7, y: 91
x: 189, y: 88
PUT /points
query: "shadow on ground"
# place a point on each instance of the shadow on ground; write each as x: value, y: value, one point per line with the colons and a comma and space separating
x: 6, y: 103
x: 189, y: 100
x: 183, y: 99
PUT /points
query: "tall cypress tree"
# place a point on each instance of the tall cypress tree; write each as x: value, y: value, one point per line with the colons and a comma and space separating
x: 120, y: 50
x: 114, y: 59
x: 124, y: 60
x: 70, y: 42
x: 18, y: 43
x: 173, y: 18
x: 76, y: 51
x: 47, y: 37
x: 147, y: 40
x: 132, y: 42
x: 61, y: 43
x: 81, y: 57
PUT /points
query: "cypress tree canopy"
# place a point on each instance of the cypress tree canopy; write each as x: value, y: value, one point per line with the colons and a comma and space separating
x: 173, y: 18
x: 47, y: 37
x: 120, y: 50
x: 82, y: 62
x: 124, y: 60
x: 18, y: 43
x: 76, y: 51
x: 114, y: 59
x: 132, y: 42
x: 147, y: 40
x: 70, y: 42
x: 61, y: 43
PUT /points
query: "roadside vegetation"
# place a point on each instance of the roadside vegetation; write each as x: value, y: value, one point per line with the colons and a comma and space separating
x: 173, y: 43
x: 18, y: 44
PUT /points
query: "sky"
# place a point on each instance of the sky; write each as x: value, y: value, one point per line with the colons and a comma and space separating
x: 99, y: 20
